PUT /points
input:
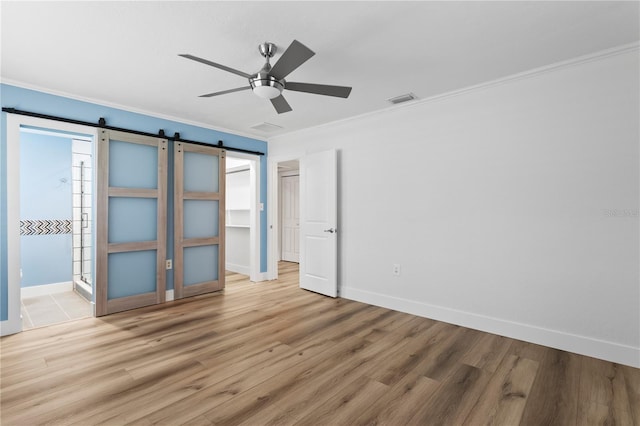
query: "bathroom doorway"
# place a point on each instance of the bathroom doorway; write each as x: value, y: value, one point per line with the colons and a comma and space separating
x: 56, y: 250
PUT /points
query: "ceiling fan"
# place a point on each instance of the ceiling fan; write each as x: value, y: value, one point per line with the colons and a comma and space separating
x: 269, y: 82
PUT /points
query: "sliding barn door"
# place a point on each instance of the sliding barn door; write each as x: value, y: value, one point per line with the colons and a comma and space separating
x: 199, y: 218
x: 131, y: 221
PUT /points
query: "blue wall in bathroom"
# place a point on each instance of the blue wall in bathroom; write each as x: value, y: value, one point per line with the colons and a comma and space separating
x: 44, y: 103
x: 45, y: 194
x: 45, y: 177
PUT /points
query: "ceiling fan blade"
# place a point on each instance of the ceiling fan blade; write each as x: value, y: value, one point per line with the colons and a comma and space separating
x: 280, y: 104
x: 213, y: 64
x: 238, y: 89
x: 319, y: 89
x: 295, y: 55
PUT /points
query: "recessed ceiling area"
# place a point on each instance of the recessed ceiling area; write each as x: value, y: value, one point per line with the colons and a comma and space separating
x: 125, y: 54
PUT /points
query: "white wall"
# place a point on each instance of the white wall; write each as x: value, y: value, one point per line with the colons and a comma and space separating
x: 512, y: 208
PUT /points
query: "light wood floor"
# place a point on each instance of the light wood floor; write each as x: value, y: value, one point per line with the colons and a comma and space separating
x: 271, y: 353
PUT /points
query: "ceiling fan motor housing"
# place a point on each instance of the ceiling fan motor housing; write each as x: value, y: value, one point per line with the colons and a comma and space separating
x: 265, y: 85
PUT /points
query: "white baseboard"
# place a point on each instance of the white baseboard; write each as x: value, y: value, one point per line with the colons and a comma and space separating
x: 41, y: 290
x: 609, y: 351
x: 240, y: 269
x: 169, y: 296
x: 10, y: 326
x: 262, y: 276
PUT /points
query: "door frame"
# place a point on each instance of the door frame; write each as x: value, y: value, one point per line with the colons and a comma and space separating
x: 273, y: 213
x: 14, y: 122
x: 254, y: 212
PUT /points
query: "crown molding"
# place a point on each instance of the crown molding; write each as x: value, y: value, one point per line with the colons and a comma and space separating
x: 127, y: 108
x: 596, y: 56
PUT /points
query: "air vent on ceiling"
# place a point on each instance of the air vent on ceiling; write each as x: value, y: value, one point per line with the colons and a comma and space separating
x: 266, y: 127
x: 402, y: 98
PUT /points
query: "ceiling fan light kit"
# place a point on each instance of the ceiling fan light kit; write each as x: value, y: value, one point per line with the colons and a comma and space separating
x: 269, y: 82
x: 267, y: 88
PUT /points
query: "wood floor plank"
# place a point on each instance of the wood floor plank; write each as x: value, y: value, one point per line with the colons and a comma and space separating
x: 632, y: 381
x: 213, y: 393
x: 347, y: 404
x: 454, y: 399
x: 310, y: 393
x: 506, y: 393
x: 254, y: 400
x: 397, y: 406
x: 553, y: 399
x: 488, y: 353
x: 153, y: 395
x: 271, y: 353
x: 603, y: 385
x: 446, y: 355
x: 415, y: 354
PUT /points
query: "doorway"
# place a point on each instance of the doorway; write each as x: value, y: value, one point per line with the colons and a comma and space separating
x: 242, y: 215
x: 318, y: 232
x: 289, y: 212
x: 279, y: 169
x: 49, y: 222
x: 55, y: 232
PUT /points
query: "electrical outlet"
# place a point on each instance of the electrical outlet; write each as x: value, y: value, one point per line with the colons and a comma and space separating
x: 396, y: 269
x: 169, y: 264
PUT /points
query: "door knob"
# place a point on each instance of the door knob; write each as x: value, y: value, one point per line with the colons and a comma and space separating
x: 331, y: 230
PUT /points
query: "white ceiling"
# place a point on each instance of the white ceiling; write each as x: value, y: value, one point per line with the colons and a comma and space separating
x: 125, y: 53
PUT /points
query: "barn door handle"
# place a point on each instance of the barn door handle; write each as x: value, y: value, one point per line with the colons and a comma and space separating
x: 331, y: 230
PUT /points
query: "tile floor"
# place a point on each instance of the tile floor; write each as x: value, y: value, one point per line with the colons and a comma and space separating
x: 49, y: 309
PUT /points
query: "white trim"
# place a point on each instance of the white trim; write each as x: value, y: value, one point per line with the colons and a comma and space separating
x: 13, y: 324
x: 588, y: 346
x: 42, y: 290
x: 107, y: 104
x: 237, y: 169
x: 254, y: 214
x: 55, y: 134
x: 169, y: 296
x: 263, y: 276
x: 240, y: 269
x: 480, y: 86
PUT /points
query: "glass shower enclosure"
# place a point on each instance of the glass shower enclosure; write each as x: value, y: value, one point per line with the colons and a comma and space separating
x: 82, y: 218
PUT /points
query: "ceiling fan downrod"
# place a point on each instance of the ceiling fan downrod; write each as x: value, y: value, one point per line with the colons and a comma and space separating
x: 262, y: 83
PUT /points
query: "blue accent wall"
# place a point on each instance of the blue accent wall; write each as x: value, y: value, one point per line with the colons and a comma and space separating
x: 45, y: 194
x: 44, y: 103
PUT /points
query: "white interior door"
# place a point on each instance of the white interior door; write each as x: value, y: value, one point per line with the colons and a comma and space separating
x: 318, y: 223
x: 291, y: 218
